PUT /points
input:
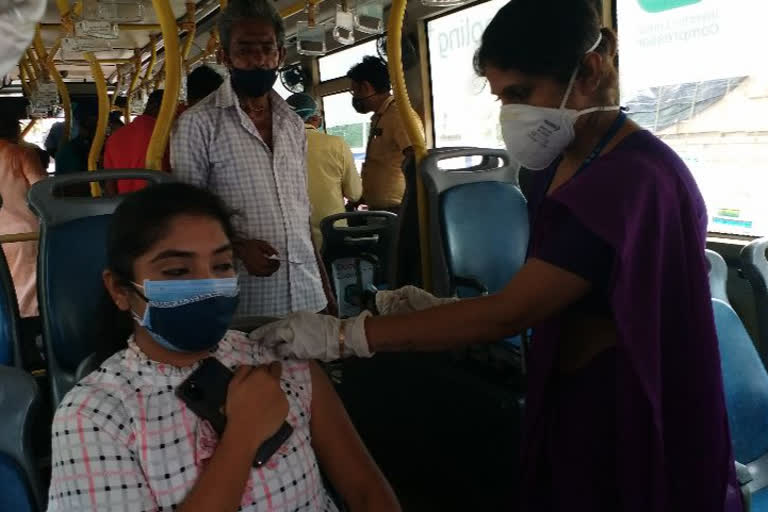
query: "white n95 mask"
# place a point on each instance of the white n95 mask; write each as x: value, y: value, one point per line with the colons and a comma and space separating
x: 536, y: 136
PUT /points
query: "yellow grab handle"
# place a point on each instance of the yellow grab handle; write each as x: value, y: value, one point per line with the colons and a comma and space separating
x: 101, y: 127
x: 28, y: 128
x: 162, y: 130
x: 413, y: 127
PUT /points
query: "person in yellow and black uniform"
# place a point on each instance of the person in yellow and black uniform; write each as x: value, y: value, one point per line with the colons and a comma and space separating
x: 388, y: 141
x: 332, y: 175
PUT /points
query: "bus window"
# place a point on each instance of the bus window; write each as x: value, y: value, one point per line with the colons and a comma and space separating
x: 688, y: 73
x: 343, y: 120
x: 453, y: 41
x: 337, y: 64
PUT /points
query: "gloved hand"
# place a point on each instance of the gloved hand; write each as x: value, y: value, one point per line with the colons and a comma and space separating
x: 407, y: 300
x: 313, y: 336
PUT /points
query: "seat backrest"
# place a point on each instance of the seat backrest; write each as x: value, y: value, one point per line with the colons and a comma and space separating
x: 478, y: 219
x: 375, y: 237
x: 10, y: 332
x: 71, y: 259
x: 754, y: 265
x: 357, y: 254
x: 20, y: 486
x: 718, y: 276
x: 745, y: 383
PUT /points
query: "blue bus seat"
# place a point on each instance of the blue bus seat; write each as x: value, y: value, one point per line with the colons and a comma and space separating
x: 20, y: 486
x: 10, y: 321
x: 71, y: 259
x: 745, y: 383
x: 479, y: 222
x: 718, y: 276
x: 754, y: 266
x: 357, y: 255
x: 478, y: 227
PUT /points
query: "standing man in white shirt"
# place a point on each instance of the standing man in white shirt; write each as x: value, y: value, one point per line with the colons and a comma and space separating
x: 245, y: 144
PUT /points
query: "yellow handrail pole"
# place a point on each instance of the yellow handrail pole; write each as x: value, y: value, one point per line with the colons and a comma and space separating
x: 190, y: 26
x: 19, y: 237
x: 411, y: 122
x: 65, y: 101
x: 32, y: 58
x: 54, y: 50
x: 29, y: 127
x: 117, y: 87
x: 132, y: 86
x: 30, y: 72
x: 152, y: 60
x: 23, y: 80
x: 101, y: 127
x: 65, y: 12
x: 51, y: 70
x: 162, y: 130
x: 39, y: 47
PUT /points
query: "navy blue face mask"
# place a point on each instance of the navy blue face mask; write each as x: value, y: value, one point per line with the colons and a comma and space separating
x: 189, y: 315
x: 253, y: 83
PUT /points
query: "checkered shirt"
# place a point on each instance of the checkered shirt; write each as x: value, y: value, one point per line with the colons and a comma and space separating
x: 216, y: 146
x: 122, y: 440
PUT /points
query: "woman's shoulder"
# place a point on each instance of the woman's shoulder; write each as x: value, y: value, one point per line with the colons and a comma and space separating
x: 648, y: 156
x: 97, y: 401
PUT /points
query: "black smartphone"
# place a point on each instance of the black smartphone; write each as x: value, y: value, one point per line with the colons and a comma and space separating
x: 205, y: 393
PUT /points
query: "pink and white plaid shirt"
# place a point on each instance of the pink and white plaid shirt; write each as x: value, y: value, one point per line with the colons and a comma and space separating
x: 122, y: 440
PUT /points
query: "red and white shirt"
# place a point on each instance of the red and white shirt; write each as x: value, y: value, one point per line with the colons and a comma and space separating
x: 122, y: 440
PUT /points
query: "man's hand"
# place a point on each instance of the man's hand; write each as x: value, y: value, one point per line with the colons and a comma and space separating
x: 255, y: 255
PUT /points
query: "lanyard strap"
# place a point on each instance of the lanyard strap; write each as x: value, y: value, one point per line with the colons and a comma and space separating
x: 609, y: 135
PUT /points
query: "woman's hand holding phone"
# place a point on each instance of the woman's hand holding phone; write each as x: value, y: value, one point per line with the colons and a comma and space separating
x: 256, y: 405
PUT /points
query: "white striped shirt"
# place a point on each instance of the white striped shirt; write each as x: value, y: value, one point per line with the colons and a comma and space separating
x: 216, y: 146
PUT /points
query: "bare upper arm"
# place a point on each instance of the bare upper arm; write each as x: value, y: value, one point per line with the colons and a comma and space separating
x: 341, y: 452
x: 540, y: 290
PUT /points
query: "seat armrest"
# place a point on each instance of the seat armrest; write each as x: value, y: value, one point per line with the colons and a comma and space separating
x: 742, y: 474
x: 468, y: 282
x: 744, y: 477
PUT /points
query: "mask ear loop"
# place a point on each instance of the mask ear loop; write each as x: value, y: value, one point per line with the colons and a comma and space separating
x: 136, y: 289
x: 576, y: 71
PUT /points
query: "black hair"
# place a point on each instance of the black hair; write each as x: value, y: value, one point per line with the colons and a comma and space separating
x: 44, y: 156
x: 115, y: 118
x: 201, y: 82
x: 239, y: 10
x: 154, y: 101
x: 543, y: 37
x: 372, y: 70
x: 138, y: 223
x: 10, y: 129
x: 143, y: 218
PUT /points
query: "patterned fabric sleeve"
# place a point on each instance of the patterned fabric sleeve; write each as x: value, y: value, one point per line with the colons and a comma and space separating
x: 94, y: 467
x: 189, y: 151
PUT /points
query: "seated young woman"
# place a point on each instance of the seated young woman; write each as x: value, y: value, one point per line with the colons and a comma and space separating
x: 123, y: 440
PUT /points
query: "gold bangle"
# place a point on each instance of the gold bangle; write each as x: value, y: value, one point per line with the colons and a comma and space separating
x: 342, y: 339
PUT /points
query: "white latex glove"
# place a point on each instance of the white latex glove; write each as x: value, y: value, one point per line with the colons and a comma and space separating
x: 17, y: 25
x: 407, y: 300
x: 313, y: 336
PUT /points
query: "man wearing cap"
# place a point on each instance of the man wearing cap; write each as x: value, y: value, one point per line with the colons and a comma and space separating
x: 332, y: 175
